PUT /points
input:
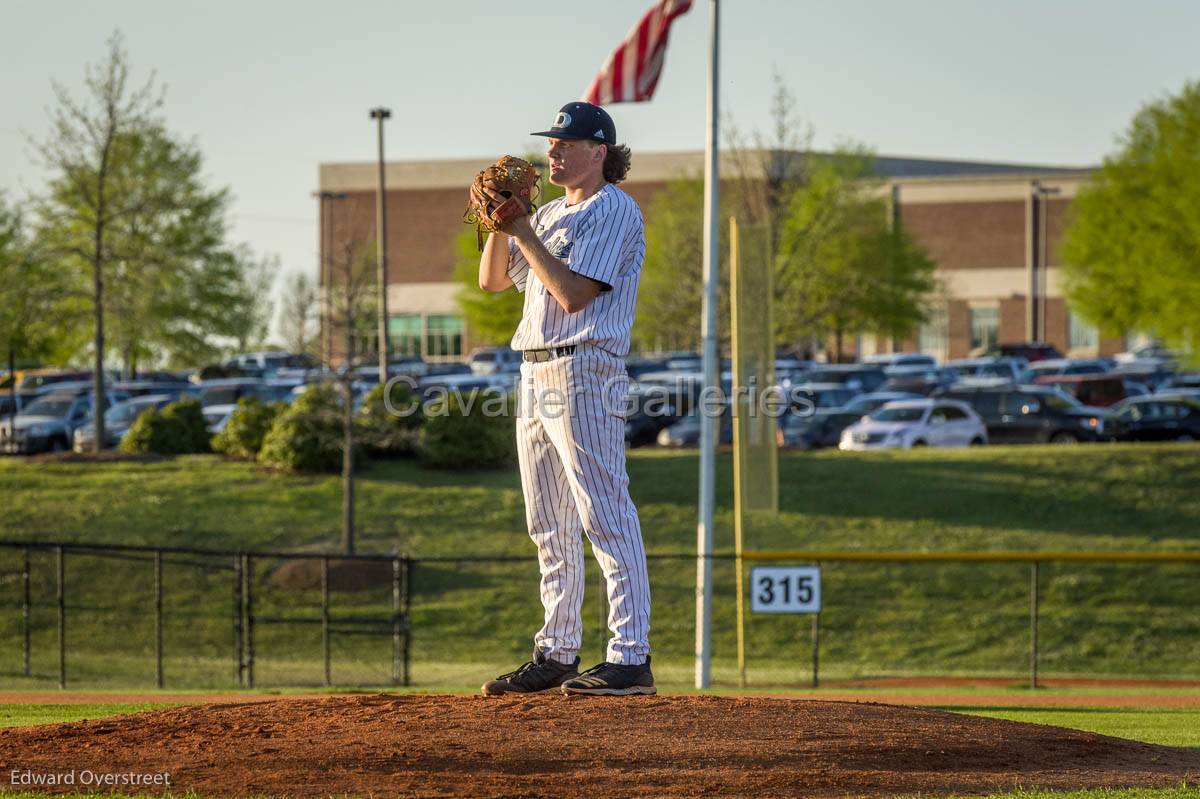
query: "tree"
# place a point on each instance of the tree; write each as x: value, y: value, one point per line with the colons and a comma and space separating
x: 352, y: 303
x: 88, y: 196
x: 492, y: 317
x: 840, y: 267
x: 32, y: 305
x: 176, y: 289
x: 821, y: 220
x: 298, y: 314
x: 1130, y: 251
x: 672, y: 282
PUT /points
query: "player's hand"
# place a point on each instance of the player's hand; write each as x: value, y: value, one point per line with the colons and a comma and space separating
x: 520, y: 228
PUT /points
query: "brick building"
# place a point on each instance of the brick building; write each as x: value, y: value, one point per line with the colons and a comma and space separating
x: 988, y: 227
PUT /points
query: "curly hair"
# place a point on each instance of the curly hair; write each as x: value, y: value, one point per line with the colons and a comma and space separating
x: 616, y: 162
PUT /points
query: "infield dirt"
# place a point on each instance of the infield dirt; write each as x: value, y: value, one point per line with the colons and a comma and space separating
x: 553, y: 745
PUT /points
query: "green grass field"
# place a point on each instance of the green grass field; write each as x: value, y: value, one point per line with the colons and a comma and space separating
x: 471, y: 619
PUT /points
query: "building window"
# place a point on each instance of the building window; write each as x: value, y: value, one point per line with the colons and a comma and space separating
x: 443, y: 335
x: 985, y: 328
x: 404, y: 333
x: 933, y: 337
x: 1081, y: 335
x: 427, y: 335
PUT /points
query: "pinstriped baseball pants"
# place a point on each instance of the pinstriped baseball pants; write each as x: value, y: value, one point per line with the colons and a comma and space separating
x: 571, y: 444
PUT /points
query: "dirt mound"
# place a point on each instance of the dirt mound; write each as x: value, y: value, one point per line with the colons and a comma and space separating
x: 553, y: 745
x: 344, y: 575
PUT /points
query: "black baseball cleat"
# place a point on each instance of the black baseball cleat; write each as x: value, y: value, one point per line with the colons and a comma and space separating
x: 613, y: 679
x: 539, y: 674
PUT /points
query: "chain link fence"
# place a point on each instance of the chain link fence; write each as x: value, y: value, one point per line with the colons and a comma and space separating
x: 78, y: 615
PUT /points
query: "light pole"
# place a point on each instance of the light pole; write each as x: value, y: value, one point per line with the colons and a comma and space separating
x: 379, y: 115
x: 325, y: 265
x: 1039, y: 260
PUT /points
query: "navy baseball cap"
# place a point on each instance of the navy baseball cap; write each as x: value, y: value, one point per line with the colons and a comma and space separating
x: 581, y: 120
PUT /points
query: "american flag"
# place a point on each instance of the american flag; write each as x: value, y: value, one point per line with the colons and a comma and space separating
x: 631, y: 73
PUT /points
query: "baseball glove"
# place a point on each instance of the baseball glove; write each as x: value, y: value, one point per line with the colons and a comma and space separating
x: 512, y: 178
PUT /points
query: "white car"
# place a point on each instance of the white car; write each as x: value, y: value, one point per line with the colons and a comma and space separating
x: 891, y: 359
x: 916, y: 423
x: 217, y: 416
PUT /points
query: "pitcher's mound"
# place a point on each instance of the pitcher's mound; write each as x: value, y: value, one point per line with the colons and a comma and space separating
x: 552, y: 745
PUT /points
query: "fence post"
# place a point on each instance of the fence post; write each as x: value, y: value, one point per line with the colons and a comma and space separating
x: 60, y: 557
x: 248, y: 600
x: 158, y: 618
x: 1033, y: 625
x: 816, y: 649
x: 26, y: 606
x: 325, y: 617
x: 237, y: 621
x: 397, y: 622
x: 409, y: 568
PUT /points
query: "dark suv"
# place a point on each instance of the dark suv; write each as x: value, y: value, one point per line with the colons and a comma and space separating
x: 859, y: 377
x: 1031, y: 414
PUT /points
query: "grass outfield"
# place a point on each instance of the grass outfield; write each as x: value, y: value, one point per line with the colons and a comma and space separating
x: 476, y: 619
x: 1182, y: 792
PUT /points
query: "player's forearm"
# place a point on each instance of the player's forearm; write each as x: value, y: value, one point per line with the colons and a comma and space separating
x: 493, y: 263
x: 572, y: 290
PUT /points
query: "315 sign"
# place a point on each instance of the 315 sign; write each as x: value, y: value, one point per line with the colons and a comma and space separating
x: 785, y: 589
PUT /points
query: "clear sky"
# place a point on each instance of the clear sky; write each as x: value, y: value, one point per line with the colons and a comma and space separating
x: 270, y: 89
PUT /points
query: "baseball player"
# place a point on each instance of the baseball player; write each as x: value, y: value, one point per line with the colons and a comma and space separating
x: 578, y: 260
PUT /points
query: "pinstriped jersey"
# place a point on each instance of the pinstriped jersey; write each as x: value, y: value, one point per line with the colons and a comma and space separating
x: 601, y: 238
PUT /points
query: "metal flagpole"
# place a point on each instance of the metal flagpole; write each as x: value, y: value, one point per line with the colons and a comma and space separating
x: 708, y: 423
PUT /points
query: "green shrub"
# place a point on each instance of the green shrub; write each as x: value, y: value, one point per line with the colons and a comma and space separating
x: 383, y: 432
x: 178, y: 429
x: 307, y: 435
x: 243, y: 434
x: 466, y: 432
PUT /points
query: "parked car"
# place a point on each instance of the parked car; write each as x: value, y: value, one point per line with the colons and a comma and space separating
x: 904, y: 424
x: 217, y: 416
x: 1152, y: 351
x: 636, y: 367
x: 685, y: 362
x: 1100, y: 390
x: 1157, y: 418
x: 410, y: 365
x: 859, y: 377
x: 444, y: 368
x: 921, y: 380
x: 686, y: 431
x: 1150, y: 373
x: 117, y: 421
x: 1028, y: 350
x: 1002, y: 367
x: 650, y: 412
x: 491, y: 360
x: 823, y: 427
x: 1063, y: 366
x: 230, y: 390
x: 266, y: 364
x: 48, y: 424
x: 809, y: 397
x: 12, y: 402
x: 1179, y: 381
x: 1031, y: 414
x: 141, y: 388
x: 893, y: 359
x: 40, y: 379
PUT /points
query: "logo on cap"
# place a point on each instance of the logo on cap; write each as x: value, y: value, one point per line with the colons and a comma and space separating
x: 563, y: 120
x: 599, y: 134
